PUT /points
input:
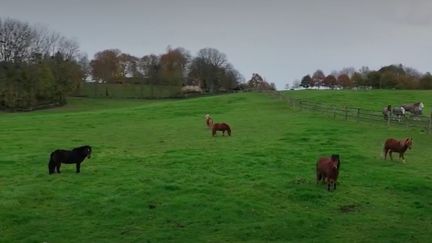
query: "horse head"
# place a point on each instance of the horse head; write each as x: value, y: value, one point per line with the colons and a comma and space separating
x: 87, y: 151
x: 336, y: 160
x: 408, y: 142
x: 421, y: 106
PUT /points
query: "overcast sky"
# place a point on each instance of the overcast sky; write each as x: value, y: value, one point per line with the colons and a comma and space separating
x: 280, y: 39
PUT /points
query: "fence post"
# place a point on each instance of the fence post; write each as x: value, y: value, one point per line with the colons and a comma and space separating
x: 430, y: 123
x: 389, y: 113
x: 346, y: 113
x: 300, y: 104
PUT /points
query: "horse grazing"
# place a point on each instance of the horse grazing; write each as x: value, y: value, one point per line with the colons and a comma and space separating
x: 397, y: 112
x: 415, y: 108
x: 74, y: 156
x: 209, y: 121
x: 221, y: 127
x: 393, y: 145
x: 327, y: 168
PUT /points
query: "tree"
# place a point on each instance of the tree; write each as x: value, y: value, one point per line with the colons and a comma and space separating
x: 317, y: 78
x: 105, y: 67
x: 306, y: 81
x: 373, y: 79
x: 348, y: 71
x: 173, y: 66
x: 344, y: 81
x: 425, y: 81
x: 149, y: 66
x: 329, y: 81
x: 358, y: 80
x: 15, y: 40
x: 257, y: 82
x: 31, y: 73
x: 211, y: 69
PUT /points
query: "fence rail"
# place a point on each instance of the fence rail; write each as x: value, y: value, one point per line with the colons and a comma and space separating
x: 359, y: 114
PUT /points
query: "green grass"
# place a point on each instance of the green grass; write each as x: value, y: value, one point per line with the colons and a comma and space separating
x: 372, y: 100
x: 157, y: 175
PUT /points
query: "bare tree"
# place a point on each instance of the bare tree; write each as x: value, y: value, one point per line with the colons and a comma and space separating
x: 213, y: 71
x: 15, y: 40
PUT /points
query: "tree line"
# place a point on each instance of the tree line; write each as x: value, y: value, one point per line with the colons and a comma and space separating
x: 41, y: 67
x: 37, y: 66
x: 209, y: 69
x: 387, y: 77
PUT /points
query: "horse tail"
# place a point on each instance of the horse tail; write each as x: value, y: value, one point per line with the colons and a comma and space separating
x: 51, y: 163
x: 229, y: 130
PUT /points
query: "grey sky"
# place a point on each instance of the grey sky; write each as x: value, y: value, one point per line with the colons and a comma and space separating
x: 280, y: 39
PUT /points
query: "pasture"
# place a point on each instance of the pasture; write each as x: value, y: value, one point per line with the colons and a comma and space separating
x: 157, y: 175
x: 370, y: 99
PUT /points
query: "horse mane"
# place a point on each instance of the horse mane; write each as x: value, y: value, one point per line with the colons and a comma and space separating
x: 85, y: 147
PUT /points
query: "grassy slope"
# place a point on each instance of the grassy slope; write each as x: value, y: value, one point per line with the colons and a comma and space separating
x: 372, y: 100
x: 257, y: 185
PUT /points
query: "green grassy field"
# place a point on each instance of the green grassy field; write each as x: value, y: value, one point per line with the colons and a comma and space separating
x: 371, y: 99
x: 157, y: 175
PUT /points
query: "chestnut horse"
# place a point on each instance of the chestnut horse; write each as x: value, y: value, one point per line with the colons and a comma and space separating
x: 221, y: 127
x: 327, y: 168
x: 209, y: 121
x: 393, y: 145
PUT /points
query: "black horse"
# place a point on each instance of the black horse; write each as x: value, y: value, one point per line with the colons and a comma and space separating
x: 74, y: 156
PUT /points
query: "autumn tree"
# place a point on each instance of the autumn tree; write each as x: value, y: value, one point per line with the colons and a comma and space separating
x: 173, y: 66
x: 344, y: 81
x: 105, y: 67
x: 257, y: 82
x: 329, y: 81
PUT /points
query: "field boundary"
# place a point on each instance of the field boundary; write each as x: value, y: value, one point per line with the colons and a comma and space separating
x: 358, y: 114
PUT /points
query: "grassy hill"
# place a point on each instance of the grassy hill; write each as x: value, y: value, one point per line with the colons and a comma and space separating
x: 157, y: 175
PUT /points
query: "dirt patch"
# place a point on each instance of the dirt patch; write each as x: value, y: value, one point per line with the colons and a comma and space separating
x: 349, y: 208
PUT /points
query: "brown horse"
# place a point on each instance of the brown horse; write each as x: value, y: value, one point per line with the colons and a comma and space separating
x: 221, y: 127
x: 393, y: 145
x: 209, y: 121
x: 327, y: 168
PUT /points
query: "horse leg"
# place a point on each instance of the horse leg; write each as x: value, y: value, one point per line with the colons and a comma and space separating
x: 51, y: 167
x: 401, y: 155
x: 390, y: 153
x: 385, y: 153
x: 78, y: 166
x: 58, y: 167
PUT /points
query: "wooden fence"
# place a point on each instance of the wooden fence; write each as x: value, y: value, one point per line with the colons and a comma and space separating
x: 359, y: 114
